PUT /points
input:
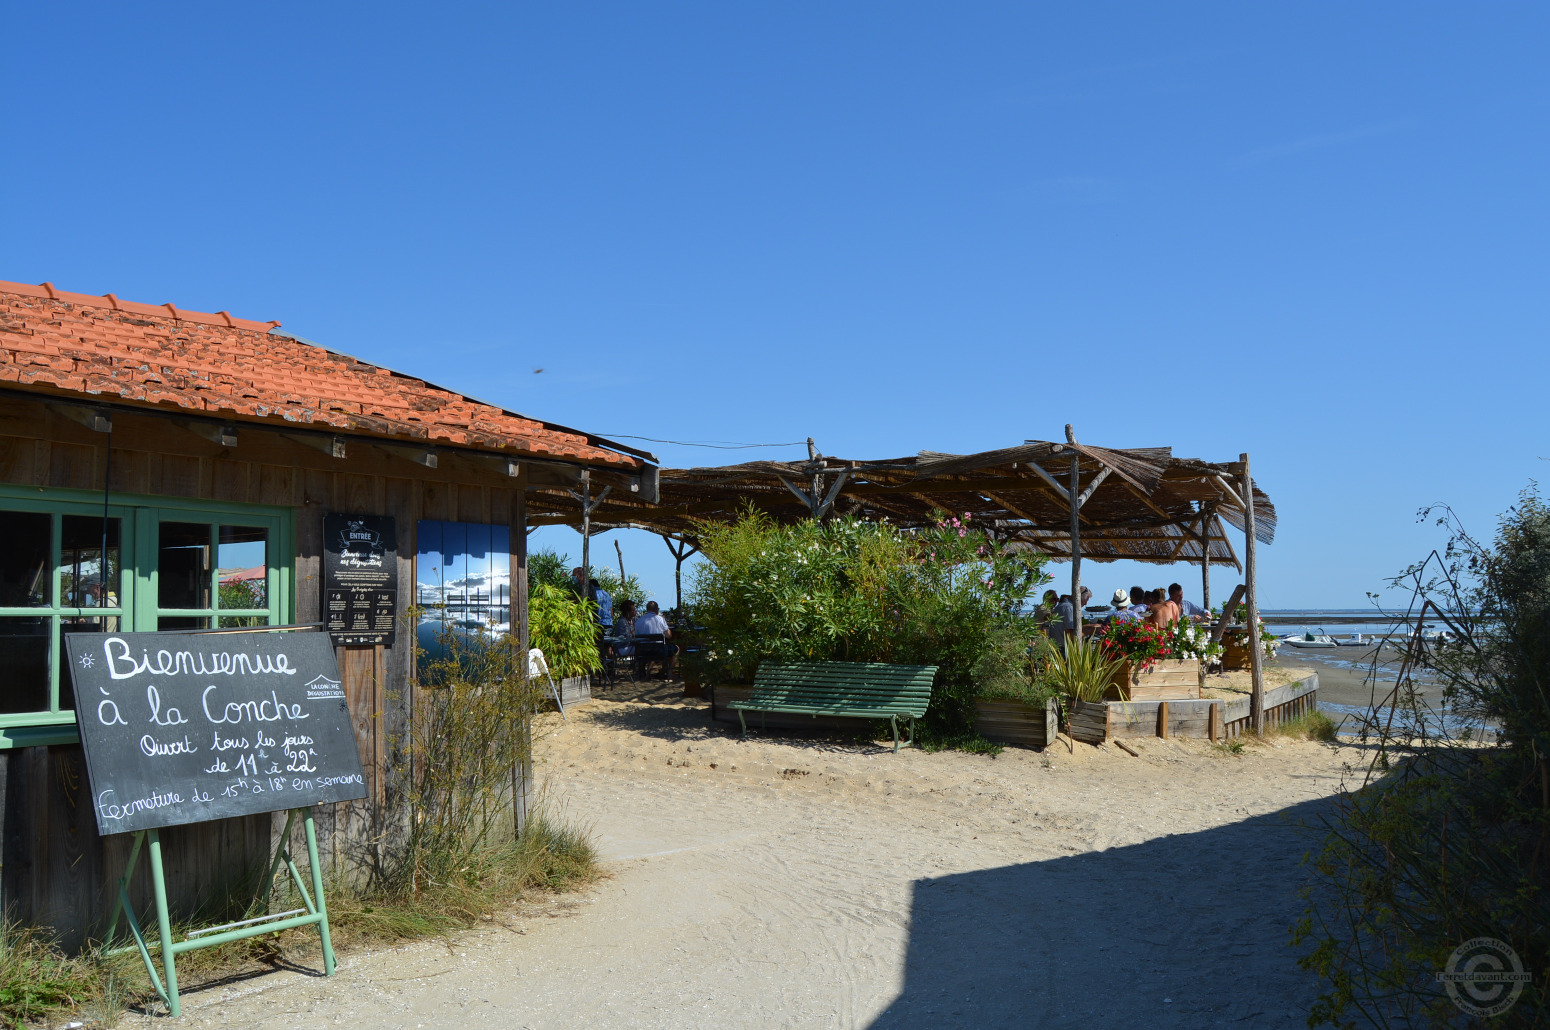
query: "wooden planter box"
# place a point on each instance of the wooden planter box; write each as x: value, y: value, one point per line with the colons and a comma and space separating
x: 1235, y: 651
x: 574, y: 690
x: 1175, y: 679
x: 1210, y: 718
x: 1017, y: 722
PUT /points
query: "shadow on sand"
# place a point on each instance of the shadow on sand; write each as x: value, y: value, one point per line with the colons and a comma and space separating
x: 1190, y: 930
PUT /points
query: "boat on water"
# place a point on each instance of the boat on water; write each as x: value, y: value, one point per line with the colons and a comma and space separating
x: 1309, y: 640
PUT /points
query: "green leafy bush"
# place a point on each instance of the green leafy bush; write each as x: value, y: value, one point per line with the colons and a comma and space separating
x: 564, y: 628
x: 1448, y: 839
x: 856, y: 591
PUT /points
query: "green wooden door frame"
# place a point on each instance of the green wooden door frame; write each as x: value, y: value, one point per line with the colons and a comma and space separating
x: 140, y: 516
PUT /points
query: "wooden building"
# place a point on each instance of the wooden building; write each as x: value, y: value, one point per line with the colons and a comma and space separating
x: 171, y: 469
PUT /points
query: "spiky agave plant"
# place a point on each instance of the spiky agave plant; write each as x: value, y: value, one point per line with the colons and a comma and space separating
x: 1082, y: 672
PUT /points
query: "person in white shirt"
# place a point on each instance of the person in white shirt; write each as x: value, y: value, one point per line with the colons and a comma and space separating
x: 653, y: 622
x: 1188, y: 609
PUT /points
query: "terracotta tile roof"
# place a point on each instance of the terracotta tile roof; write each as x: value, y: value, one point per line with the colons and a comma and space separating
x: 162, y: 355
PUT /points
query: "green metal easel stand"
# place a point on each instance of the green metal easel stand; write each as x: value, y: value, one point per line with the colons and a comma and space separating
x: 314, y: 912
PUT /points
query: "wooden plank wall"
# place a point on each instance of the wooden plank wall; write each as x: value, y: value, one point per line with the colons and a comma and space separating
x: 57, y: 871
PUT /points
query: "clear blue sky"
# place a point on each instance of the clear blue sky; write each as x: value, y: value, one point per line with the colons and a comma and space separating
x: 1314, y: 232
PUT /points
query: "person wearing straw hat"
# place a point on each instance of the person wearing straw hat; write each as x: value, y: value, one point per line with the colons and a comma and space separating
x: 1122, y: 610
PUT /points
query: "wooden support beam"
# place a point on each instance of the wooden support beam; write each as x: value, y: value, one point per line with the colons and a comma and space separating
x: 1256, y: 658
x: 98, y: 420
x: 1103, y: 474
x: 1060, y: 491
x: 1227, y: 610
x: 224, y: 435
x: 333, y: 446
x: 1162, y: 719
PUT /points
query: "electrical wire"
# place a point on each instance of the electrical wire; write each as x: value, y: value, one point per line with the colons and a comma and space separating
x: 720, y: 445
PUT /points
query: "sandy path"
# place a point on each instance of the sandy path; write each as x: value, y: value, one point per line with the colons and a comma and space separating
x: 808, y: 884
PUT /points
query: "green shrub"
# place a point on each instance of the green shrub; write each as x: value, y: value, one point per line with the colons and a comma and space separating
x: 856, y: 591
x: 564, y: 629
x: 1448, y: 840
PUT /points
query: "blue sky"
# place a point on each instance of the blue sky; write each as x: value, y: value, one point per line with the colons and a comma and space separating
x: 1314, y: 232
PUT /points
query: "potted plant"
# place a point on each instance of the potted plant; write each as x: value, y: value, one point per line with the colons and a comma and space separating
x: 562, y: 626
x: 1082, y: 675
x: 1235, y: 646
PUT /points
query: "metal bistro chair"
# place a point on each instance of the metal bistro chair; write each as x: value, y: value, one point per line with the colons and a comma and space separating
x: 649, y: 647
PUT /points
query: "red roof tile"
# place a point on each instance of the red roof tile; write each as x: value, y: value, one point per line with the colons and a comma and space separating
x: 163, y: 355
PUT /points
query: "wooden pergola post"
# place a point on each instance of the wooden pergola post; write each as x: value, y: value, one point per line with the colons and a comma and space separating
x: 680, y: 551
x: 1205, y: 561
x: 1075, y: 497
x: 1256, y: 657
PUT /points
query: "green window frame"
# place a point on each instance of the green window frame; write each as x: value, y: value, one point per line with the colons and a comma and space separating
x: 138, y: 605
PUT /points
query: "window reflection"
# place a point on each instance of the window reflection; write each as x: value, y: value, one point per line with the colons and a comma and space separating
x: 24, y: 657
x: 183, y: 566
x: 242, y: 561
x: 83, y: 581
x: 24, y: 559
x: 98, y: 624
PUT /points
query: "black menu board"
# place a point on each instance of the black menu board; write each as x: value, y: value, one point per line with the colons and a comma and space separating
x: 360, y: 578
x: 189, y: 727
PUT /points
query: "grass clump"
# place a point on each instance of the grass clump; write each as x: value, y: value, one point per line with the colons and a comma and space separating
x: 37, y: 980
x: 1313, y: 725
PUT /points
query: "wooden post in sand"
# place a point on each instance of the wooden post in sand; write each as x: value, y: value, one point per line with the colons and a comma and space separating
x: 1074, y: 495
x: 1256, y: 653
x: 1205, y: 560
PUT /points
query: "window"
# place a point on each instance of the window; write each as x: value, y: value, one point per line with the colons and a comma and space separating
x: 69, y: 566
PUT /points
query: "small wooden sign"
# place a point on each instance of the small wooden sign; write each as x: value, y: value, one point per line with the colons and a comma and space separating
x: 360, y: 578
x: 190, y: 727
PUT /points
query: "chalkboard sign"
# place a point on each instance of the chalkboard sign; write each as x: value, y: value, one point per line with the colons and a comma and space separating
x: 189, y: 727
x: 360, y: 578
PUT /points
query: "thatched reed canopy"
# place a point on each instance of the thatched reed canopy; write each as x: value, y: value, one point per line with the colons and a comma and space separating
x: 1141, y: 504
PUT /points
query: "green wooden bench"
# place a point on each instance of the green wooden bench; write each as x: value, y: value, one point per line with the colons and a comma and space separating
x: 857, y: 690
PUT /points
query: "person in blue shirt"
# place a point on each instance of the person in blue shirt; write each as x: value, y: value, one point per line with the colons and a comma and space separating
x: 600, y: 597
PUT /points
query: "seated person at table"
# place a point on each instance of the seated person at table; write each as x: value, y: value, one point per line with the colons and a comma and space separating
x: 625, y: 629
x: 1067, y: 613
x: 1122, y: 610
x: 653, y: 622
x: 1187, y: 609
x: 1162, y: 610
x: 1138, y: 602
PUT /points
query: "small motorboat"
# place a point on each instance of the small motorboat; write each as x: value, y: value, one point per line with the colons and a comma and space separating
x: 1354, y: 640
x: 1309, y: 640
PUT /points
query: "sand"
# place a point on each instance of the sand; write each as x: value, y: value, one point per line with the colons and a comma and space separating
x: 785, y: 881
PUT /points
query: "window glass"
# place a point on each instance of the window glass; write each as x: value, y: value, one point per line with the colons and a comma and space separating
x: 83, y: 582
x: 183, y: 565
x: 173, y: 622
x: 25, y: 559
x: 96, y: 624
x: 24, y: 656
x: 242, y: 563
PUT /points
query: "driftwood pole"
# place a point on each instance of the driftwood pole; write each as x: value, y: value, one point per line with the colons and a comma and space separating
x: 620, y: 552
x: 1205, y: 561
x: 1076, y: 533
x: 586, y: 532
x: 1256, y: 655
